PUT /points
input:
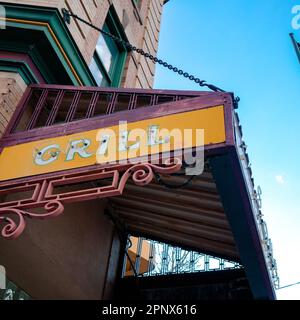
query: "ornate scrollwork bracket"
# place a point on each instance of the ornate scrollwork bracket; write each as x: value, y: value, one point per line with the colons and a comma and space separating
x: 143, y: 173
x: 13, y: 216
x: 12, y: 228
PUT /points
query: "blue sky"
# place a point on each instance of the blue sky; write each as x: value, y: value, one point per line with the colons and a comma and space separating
x: 244, y: 47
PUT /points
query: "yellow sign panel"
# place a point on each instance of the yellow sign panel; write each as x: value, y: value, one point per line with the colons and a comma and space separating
x: 114, y: 144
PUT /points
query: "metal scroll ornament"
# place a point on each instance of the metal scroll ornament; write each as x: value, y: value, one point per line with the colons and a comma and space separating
x: 142, y: 174
x: 12, y: 228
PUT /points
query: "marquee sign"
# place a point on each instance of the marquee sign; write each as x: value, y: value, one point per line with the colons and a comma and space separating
x: 114, y: 144
x: 46, y: 164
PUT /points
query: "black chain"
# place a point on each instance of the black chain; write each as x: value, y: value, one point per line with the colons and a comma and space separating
x: 202, y: 83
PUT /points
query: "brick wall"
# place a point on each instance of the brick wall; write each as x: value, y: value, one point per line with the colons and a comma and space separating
x: 12, y: 88
x: 141, y: 24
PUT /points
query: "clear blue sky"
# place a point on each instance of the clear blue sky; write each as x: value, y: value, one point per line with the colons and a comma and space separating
x: 244, y: 47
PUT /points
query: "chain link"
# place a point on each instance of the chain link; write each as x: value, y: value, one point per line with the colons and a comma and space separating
x: 202, y: 83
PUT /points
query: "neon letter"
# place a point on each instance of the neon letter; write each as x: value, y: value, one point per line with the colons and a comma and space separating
x: 52, y: 155
x: 78, y: 146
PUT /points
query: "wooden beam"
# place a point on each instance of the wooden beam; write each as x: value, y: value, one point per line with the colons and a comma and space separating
x: 208, y: 217
x: 195, y: 243
x: 215, y: 234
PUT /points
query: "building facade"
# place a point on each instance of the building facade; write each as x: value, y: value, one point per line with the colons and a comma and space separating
x: 38, y: 47
x: 61, y: 85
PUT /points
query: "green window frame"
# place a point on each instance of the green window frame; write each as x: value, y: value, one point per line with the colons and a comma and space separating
x: 137, y: 4
x: 109, y: 58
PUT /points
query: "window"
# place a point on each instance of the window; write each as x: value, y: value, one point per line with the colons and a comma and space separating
x: 109, y: 58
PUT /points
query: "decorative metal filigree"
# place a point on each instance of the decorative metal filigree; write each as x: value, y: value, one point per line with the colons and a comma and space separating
x: 13, y: 229
x: 44, y: 195
x: 143, y: 173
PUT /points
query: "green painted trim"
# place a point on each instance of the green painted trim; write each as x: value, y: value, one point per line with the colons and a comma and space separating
x: 114, y: 26
x: 113, y: 20
x: 53, y: 18
x: 18, y: 67
x: 114, y: 23
x: 36, y: 57
x: 68, y: 44
x: 119, y: 70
